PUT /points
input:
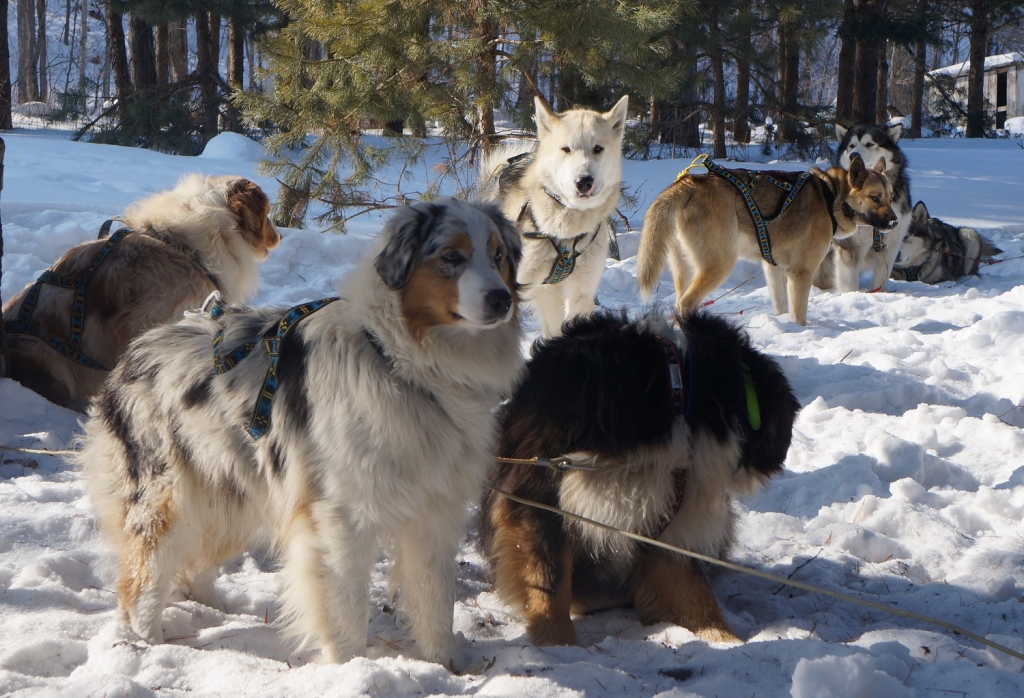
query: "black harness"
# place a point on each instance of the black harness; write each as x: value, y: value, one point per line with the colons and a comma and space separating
x: 680, y: 378
x: 746, y: 191
x: 272, y: 339
x: 71, y: 348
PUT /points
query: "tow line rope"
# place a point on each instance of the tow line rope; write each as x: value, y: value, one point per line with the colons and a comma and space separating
x: 758, y: 573
x: 566, y: 463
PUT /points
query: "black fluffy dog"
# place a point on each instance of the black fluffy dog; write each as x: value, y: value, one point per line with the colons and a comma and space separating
x: 673, y: 423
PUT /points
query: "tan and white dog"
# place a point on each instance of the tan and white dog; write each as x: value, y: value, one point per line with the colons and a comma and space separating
x: 701, y: 224
x: 560, y: 196
x: 207, y: 234
x: 380, y: 432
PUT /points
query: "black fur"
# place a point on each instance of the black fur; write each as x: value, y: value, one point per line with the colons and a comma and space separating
x: 292, y: 370
x: 509, y: 235
x: 406, y: 232
x: 895, y: 160
x: 198, y: 394
x: 113, y: 412
x: 603, y: 387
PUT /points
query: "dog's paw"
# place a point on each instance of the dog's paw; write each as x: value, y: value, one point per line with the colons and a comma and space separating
x: 719, y: 634
x: 552, y: 631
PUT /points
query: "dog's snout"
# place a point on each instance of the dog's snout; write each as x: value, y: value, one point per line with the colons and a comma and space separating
x: 893, y: 222
x: 498, y: 301
x: 584, y: 184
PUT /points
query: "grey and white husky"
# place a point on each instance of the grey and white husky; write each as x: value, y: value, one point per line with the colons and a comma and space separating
x: 935, y: 251
x: 869, y: 248
x: 560, y: 195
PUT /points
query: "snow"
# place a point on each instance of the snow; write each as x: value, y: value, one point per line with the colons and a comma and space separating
x: 904, y: 484
x: 991, y: 63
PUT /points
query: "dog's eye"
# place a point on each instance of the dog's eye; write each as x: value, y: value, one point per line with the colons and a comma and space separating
x: 453, y: 258
x: 498, y: 256
x: 869, y: 145
x: 566, y: 149
x: 876, y: 199
x: 598, y: 149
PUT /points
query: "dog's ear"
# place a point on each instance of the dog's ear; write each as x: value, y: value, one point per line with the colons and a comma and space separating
x: 894, y: 131
x: 858, y: 173
x: 880, y: 166
x: 765, y: 448
x: 509, y: 235
x: 545, y: 117
x: 246, y: 200
x: 406, y: 231
x: 920, y: 213
x: 616, y: 116
x: 840, y: 132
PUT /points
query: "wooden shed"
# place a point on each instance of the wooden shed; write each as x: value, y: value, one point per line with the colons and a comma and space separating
x: 1004, y: 83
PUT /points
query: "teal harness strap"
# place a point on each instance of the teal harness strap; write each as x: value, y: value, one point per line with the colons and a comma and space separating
x: 565, y: 254
x: 876, y: 240
x: 746, y: 190
x: 71, y: 348
x: 273, y: 339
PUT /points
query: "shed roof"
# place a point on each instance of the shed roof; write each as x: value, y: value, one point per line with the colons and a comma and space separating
x: 991, y: 63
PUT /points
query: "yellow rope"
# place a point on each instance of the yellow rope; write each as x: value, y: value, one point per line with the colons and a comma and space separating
x: 699, y: 161
x: 40, y: 451
x: 765, y: 575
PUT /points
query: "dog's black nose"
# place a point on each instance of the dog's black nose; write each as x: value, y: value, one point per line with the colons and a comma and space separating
x: 498, y: 300
x: 584, y: 184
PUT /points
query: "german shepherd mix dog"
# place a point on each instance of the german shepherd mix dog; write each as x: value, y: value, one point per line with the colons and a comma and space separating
x: 207, y: 234
x: 381, y: 430
x: 673, y: 424
x: 702, y: 225
x: 876, y: 247
x: 560, y: 196
x: 935, y: 251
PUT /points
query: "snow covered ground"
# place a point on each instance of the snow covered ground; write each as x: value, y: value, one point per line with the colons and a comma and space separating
x: 904, y: 484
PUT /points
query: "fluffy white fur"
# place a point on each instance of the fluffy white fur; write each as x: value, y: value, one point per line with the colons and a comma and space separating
x: 565, y: 153
x: 857, y: 254
x: 362, y: 451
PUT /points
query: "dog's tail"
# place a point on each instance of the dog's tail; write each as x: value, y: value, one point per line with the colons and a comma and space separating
x: 494, y: 161
x: 655, y: 237
x: 987, y: 248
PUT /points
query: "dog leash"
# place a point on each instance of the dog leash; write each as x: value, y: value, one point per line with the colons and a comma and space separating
x: 743, y: 569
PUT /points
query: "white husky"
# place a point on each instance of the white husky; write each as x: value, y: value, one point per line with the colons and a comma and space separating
x: 560, y: 196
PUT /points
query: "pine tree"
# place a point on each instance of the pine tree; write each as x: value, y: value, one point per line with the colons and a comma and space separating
x: 449, y: 64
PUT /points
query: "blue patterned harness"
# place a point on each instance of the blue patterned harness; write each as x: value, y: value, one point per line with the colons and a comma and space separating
x: 272, y: 339
x: 72, y: 348
x: 746, y: 190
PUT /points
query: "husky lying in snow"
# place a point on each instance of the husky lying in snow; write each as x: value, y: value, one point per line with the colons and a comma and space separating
x: 935, y: 251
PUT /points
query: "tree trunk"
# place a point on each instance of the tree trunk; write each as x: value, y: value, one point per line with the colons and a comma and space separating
x: 718, y: 79
x: 177, y: 49
x: 5, y: 363
x: 882, y: 88
x: 44, y: 82
x: 161, y: 36
x: 236, y: 54
x: 846, y: 70
x: 82, y: 62
x: 5, y: 92
x: 741, y: 123
x: 789, y: 83
x: 28, y: 75
x: 865, y: 80
x: 487, y: 63
x: 976, y: 77
x: 118, y: 59
x: 143, y: 62
x: 207, y: 53
x: 920, y: 58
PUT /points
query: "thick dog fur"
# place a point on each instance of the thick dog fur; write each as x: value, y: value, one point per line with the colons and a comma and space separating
x: 841, y: 269
x: 374, y: 438
x: 146, y: 280
x: 569, y: 187
x: 601, y: 393
x: 701, y: 224
x: 934, y: 251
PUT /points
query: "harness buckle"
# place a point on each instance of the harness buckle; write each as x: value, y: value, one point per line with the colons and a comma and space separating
x: 563, y: 464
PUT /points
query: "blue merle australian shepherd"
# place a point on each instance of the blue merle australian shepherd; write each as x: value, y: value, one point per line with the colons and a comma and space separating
x: 674, y: 422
